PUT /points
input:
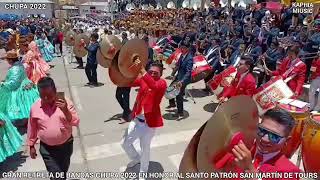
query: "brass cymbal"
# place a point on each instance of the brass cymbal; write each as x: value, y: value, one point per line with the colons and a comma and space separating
x: 104, y: 62
x: 134, y: 51
x: 238, y: 114
x: 110, y: 45
x: 117, y: 77
x: 188, y: 162
x: 69, y: 38
x: 78, y: 48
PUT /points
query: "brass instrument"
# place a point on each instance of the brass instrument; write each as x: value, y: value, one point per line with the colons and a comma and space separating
x: 308, y: 21
x: 248, y: 50
x: 247, y: 19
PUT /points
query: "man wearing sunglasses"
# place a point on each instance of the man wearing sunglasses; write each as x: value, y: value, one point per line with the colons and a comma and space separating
x: 272, y: 134
x: 244, y: 83
x: 146, y: 115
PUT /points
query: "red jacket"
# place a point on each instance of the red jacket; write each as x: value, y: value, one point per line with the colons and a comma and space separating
x: 315, y: 69
x: 278, y: 164
x: 247, y: 86
x: 149, y: 98
x: 60, y: 37
x: 296, y: 83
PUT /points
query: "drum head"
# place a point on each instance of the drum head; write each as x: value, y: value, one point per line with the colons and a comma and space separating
x: 293, y: 109
x: 172, y: 92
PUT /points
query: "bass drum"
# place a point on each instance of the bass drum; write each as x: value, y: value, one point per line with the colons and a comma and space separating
x: 311, y: 144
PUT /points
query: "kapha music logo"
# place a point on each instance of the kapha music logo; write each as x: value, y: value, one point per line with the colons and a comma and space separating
x: 300, y: 7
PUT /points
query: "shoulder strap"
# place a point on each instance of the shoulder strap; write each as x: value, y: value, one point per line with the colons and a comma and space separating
x: 291, y: 68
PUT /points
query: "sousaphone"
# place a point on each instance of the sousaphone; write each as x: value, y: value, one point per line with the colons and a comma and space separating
x: 186, y: 4
x: 130, y: 7
x: 171, y: 5
x: 196, y: 4
x: 79, y: 45
x: 224, y: 3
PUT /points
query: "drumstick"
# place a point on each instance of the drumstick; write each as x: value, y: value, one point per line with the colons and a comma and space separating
x: 265, y: 66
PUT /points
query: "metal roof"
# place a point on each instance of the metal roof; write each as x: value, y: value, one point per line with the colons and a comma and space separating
x: 26, y: 1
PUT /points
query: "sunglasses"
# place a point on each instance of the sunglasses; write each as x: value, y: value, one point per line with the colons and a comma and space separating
x: 273, y: 137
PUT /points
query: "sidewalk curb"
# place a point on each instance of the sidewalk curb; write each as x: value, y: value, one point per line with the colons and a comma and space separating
x: 82, y: 147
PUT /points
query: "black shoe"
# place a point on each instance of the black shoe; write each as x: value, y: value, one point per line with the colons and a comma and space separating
x: 171, y: 106
x: 79, y: 67
x: 181, y: 114
x: 95, y: 84
x: 89, y: 84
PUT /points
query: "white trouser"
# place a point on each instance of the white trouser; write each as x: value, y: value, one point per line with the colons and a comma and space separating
x: 141, y: 131
x: 314, y: 101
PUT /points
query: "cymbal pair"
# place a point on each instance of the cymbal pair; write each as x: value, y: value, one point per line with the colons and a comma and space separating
x: 125, y: 61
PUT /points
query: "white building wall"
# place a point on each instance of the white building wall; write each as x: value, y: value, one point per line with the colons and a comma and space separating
x: 85, y: 9
x: 26, y: 9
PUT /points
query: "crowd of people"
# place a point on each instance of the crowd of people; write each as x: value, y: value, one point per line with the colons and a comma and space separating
x: 282, y: 43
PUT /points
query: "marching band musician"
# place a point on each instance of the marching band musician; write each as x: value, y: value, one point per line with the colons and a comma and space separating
x: 272, y: 55
x: 273, y: 133
x: 286, y: 18
x: 183, y: 78
x: 255, y: 28
x: 314, y: 86
x: 254, y: 50
x: 293, y: 69
x: 311, y: 47
x: 146, y: 115
x: 91, y: 66
x: 243, y: 84
x: 79, y: 59
x: 237, y: 53
x: 213, y: 53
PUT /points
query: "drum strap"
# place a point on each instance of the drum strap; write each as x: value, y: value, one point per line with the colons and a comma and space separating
x: 288, y: 72
x: 211, y: 51
x: 241, y: 78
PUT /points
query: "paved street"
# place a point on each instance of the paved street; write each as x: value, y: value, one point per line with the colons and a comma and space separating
x: 100, y: 132
x: 98, y: 146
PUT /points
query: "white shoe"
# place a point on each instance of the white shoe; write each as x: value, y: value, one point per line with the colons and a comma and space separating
x: 133, y: 163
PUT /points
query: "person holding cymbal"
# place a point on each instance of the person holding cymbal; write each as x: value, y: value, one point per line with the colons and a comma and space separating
x: 266, y: 157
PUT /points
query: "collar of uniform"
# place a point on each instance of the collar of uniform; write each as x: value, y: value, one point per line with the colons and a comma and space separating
x: 268, y: 156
